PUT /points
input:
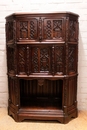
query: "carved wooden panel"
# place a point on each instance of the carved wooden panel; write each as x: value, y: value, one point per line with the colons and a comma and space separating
x: 9, y: 32
x: 53, y: 29
x: 59, y: 59
x: 41, y: 57
x: 13, y: 91
x: 72, y: 91
x: 22, y: 64
x: 73, y: 30
x: 10, y: 56
x: 72, y: 57
x: 27, y: 30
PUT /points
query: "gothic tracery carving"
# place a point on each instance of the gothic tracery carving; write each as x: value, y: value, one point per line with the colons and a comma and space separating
x: 35, y: 60
x: 59, y: 59
x: 72, y: 29
x: 22, y: 62
x: 71, y: 58
x: 57, y: 29
x: 40, y: 29
x: 44, y: 59
x: 11, y: 59
x: 48, y: 29
x: 10, y: 31
x: 24, y: 29
x: 32, y: 30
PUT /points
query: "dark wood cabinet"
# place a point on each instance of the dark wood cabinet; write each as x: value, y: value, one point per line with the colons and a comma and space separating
x: 42, y: 59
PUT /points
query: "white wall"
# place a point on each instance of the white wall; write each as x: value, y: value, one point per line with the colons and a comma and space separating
x: 77, y: 6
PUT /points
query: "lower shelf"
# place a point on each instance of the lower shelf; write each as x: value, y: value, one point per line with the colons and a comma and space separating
x: 41, y: 103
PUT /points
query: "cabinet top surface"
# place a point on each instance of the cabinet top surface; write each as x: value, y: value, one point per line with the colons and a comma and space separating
x: 41, y: 13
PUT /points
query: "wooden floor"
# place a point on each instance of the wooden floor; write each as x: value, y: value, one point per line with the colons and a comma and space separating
x: 7, y: 123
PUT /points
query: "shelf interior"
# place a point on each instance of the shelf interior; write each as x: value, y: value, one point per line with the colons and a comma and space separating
x: 41, y: 94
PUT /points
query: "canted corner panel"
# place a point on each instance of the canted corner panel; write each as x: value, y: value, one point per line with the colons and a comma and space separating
x: 72, y: 58
x: 11, y: 58
x: 73, y: 30
x: 9, y: 31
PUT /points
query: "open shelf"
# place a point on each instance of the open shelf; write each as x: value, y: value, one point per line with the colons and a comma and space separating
x: 44, y: 97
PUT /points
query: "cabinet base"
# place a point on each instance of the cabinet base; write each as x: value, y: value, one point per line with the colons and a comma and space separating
x: 43, y: 115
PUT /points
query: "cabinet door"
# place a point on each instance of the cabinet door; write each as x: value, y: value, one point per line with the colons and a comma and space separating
x: 53, y: 29
x: 40, y: 59
x: 27, y: 29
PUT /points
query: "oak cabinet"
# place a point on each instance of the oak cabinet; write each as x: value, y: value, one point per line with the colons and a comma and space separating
x: 42, y: 59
